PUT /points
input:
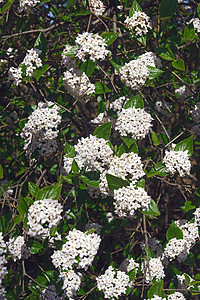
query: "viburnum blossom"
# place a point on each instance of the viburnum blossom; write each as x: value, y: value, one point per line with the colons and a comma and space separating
x: 183, y: 91
x: 118, y: 104
x: 90, y: 46
x: 113, y: 283
x: 43, y: 215
x: 71, y: 283
x: 155, y: 270
x: 79, y: 250
x: 3, y: 261
x: 182, y: 283
x: 139, y: 23
x: 15, y: 74
x: 32, y: 61
x: 41, y: 129
x: 135, y: 73
x: 197, y: 216
x: 190, y: 231
x: 176, y: 296
x: 128, y: 265
x: 134, y: 121
x: 17, y: 248
x: 129, y: 199
x: 176, y: 248
x: 177, y: 161
x: 97, y: 7
x: 196, y: 24
x: 28, y: 4
x: 78, y: 84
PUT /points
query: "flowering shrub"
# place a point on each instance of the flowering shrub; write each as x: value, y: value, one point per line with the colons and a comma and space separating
x: 100, y: 139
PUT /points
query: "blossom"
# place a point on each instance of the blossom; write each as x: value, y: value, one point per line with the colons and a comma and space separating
x: 28, y: 4
x: 17, y: 248
x: 139, y: 23
x: 15, y: 74
x: 97, y: 7
x: 176, y: 296
x: 32, y: 61
x: 154, y: 270
x: 176, y: 248
x: 177, y: 161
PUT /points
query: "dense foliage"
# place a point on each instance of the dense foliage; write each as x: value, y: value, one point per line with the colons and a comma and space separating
x: 100, y: 141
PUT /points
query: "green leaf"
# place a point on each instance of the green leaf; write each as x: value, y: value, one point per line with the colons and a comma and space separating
x: 91, y: 178
x: 103, y: 131
x: 134, y: 8
x: 1, y: 172
x: 115, y: 65
x: 49, y: 192
x: 174, y: 232
x: 101, y: 88
x: 155, y: 138
x: 157, y: 289
x: 18, y: 219
x: 88, y: 67
x: 153, y: 210
x: 165, y: 53
x: 198, y: 10
x: 185, y: 145
x: 125, y: 149
x: 190, y: 260
x: 128, y: 141
x: 179, y: 64
x: 136, y: 102
x: 154, y: 72
x: 71, y: 52
x: 33, y: 188
x: 41, y: 44
x: 189, y: 33
x: 131, y: 274
x: 188, y: 206
x: 109, y: 37
x: 140, y: 183
x: 35, y: 247
x: 6, y: 6
x: 5, y: 223
x: 69, y: 150
x: 167, y: 9
x: 142, y: 40
x: 115, y: 183
x: 158, y: 170
x: 22, y: 207
x: 75, y: 167
x: 38, y: 73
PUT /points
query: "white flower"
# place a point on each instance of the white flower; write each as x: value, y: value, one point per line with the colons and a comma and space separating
x: 129, y: 199
x: 196, y: 24
x: 176, y: 248
x: 28, y: 4
x: 190, y: 231
x: 18, y: 249
x: 32, y: 61
x: 197, y: 216
x: 113, y: 283
x: 71, y: 283
x: 177, y: 161
x: 182, y: 283
x: 155, y: 270
x: 176, y: 296
x: 91, y: 46
x: 15, y: 74
x: 97, y: 7
x: 139, y: 23
x: 183, y: 91
x: 134, y: 121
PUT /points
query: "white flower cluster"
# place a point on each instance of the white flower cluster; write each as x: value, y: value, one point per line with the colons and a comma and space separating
x: 129, y: 199
x: 3, y: 261
x: 139, y: 23
x: 134, y: 121
x: 91, y: 46
x: 93, y: 153
x: 197, y: 216
x: 28, y: 4
x: 190, y: 231
x: 113, y: 283
x: 182, y: 283
x: 50, y: 294
x: 128, y: 164
x: 155, y: 270
x: 196, y: 24
x: 183, y: 91
x: 78, y: 84
x: 156, y: 297
x: 32, y: 61
x: 176, y: 248
x: 176, y: 296
x: 71, y: 283
x: 177, y: 161
x: 135, y: 73
x: 196, y: 113
x: 15, y: 74
x: 2, y: 293
x: 43, y: 215
x: 18, y: 249
x: 97, y: 7
x: 132, y: 265
x: 41, y: 129
x: 79, y: 250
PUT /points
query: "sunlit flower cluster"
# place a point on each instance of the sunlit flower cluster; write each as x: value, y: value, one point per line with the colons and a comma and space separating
x: 176, y: 296
x: 41, y: 130
x: 129, y: 199
x: 135, y: 73
x: 134, y: 122
x: 78, y: 84
x: 71, y: 283
x: 195, y: 112
x: 118, y: 104
x: 183, y: 91
x: 190, y: 231
x: 79, y: 250
x: 15, y: 74
x: 113, y: 283
x: 196, y: 24
x: 94, y: 153
x: 17, y: 248
x: 154, y: 270
x: 197, y: 216
x: 32, y: 61
x: 177, y: 161
x: 91, y: 46
x: 139, y: 23
x: 97, y: 7
x: 43, y: 215
x: 26, y: 5
x: 176, y: 248
x: 156, y: 297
